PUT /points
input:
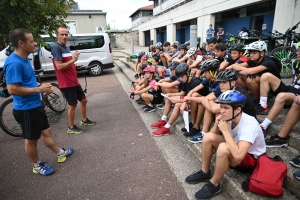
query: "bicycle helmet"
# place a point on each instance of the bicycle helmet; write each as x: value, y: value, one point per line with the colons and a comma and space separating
x: 144, y: 57
x: 149, y: 69
x: 176, y: 43
x: 237, y: 47
x: 173, y: 65
x: 191, y: 51
x: 227, y: 75
x: 297, y: 46
x: 257, y: 46
x: 182, y: 46
x: 141, y: 55
x: 210, y: 65
x: 232, y: 97
x: 187, y: 43
x: 149, y: 60
x: 159, y: 46
x: 181, y: 70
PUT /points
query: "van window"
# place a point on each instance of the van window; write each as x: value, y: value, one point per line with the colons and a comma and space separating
x: 78, y: 42
x: 86, y: 42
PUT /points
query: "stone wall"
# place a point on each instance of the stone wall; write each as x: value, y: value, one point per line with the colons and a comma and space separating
x: 126, y: 37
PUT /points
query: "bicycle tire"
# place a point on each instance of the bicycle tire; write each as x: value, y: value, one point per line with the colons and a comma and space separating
x: 57, y: 100
x: 7, y: 121
x: 281, y: 53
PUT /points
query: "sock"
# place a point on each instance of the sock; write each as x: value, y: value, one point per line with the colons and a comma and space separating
x: 266, y: 123
x: 61, y: 151
x: 150, y: 105
x: 203, y: 133
x: 167, y: 125
x: 263, y: 101
x: 36, y: 164
x: 164, y: 117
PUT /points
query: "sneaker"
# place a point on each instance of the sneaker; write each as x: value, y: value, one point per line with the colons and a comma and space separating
x: 264, y: 130
x: 190, y: 126
x: 149, y: 109
x: 193, y: 131
x: 75, y: 130
x: 197, y: 138
x: 198, y: 177
x: 161, y: 132
x: 136, y: 76
x: 296, y: 161
x: 261, y: 110
x: 87, y: 122
x: 160, y: 123
x: 138, y: 100
x: 208, y: 191
x: 145, y: 106
x: 297, y: 174
x: 276, y: 141
x: 43, y: 169
x: 161, y: 106
x: 63, y: 157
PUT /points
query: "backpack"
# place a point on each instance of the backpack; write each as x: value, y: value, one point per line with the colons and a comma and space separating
x: 277, y: 62
x: 267, y: 177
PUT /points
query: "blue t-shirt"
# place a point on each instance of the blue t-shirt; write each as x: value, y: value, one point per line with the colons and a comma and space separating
x: 213, y: 87
x: 173, y: 78
x: 210, y: 33
x: 19, y: 70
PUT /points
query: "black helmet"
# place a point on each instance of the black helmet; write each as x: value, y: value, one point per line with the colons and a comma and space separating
x: 182, y: 46
x: 141, y: 54
x: 187, y: 43
x: 173, y: 65
x: 181, y: 70
x: 232, y: 97
x: 237, y: 47
x: 211, y: 64
x: 227, y: 75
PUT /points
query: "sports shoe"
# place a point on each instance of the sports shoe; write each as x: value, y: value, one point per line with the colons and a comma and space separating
x: 160, y: 123
x: 136, y: 76
x: 198, y: 177
x: 276, y: 141
x: 190, y: 126
x: 75, y: 130
x: 149, y: 109
x: 296, y: 161
x: 261, y: 110
x: 63, y: 157
x: 193, y: 131
x: 145, y: 106
x: 161, y: 106
x: 138, y: 100
x: 297, y: 174
x: 208, y: 191
x: 42, y: 169
x: 197, y: 138
x: 161, y: 132
x: 87, y: 122
x: 264, y: 130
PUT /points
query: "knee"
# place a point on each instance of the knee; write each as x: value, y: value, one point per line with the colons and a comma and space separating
x: 280, y: 98
x: 84, y: 101
x: 208, y: 138
x: 223, y: 150
x: 177, y: 107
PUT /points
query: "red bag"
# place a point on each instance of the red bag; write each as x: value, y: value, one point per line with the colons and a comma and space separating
x: 267, y: 177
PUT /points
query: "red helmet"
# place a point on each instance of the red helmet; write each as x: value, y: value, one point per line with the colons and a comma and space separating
x: 149, y: 69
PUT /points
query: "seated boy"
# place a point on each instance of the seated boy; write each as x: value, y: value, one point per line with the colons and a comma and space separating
x: 239, y: 145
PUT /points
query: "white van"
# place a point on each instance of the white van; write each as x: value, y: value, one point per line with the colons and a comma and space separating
x: 94, y: 48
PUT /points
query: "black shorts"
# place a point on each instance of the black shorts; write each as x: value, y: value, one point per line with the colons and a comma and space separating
x: 284, y: 88
x: 32, y: 122
x: 157, y: 99
x: 73, y: 94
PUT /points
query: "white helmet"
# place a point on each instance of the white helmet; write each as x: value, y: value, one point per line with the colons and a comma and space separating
x: 191, y: 51
x: 257, y: 46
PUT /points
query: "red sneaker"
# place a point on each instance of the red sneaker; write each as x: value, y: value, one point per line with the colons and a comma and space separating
x: 161, y: 132
x: 160, y: 123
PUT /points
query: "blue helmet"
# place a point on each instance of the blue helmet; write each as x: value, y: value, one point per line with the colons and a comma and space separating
x: 232, y: 97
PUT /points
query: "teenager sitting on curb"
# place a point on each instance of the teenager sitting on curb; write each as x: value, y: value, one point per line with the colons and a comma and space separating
x: 150, y: 93
x: 258, y: 64
x: 182, y: 49
x: 161, y: 70
x: 227, y: 80
x: 220, y: 52
x: 175, y: 51
x: 210, y: 70
x: 211, y: 43
x: 239, y: 146
x: 167, y: 51
x: 188, y: 84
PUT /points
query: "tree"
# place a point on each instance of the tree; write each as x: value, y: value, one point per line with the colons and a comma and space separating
x: 38, y: 16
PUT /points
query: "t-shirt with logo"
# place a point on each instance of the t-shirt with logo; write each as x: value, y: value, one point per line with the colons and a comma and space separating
x: 19, y: 70
x: 68, y: 77
x: 268, y: 63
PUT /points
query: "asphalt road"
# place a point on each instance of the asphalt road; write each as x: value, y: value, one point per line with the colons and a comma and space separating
x: 116, y: 159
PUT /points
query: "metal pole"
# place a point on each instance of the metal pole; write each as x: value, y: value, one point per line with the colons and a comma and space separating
x: 132, y: 45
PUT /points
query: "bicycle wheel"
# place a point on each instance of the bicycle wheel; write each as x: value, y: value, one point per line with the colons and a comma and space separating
x: 7, y: 121
x: 281, y: 53
x: 56, y: 100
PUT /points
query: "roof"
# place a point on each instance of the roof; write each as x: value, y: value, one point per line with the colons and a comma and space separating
x: 150, y: 7
x: 86, y: 12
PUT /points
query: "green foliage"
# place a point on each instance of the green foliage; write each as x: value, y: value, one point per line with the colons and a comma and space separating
x: 108, y: 28
x: 38, y: 16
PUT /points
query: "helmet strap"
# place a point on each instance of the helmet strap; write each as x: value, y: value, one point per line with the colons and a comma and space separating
x: 233, y: 117
x: 213, y: 74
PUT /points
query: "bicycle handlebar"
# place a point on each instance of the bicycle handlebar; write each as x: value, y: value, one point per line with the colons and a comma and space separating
x: 79, y: 68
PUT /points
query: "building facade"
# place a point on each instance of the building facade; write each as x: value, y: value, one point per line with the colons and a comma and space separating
x: 172, y: 18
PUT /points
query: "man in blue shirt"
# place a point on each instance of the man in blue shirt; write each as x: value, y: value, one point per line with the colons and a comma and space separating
x: 28, y: 110
x: 209, y: 32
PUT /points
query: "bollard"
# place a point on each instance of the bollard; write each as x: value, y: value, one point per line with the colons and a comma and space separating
x: 132, y: 45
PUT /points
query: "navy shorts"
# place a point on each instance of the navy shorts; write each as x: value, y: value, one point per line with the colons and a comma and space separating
x: 73, y: 94
x: 284, y: 88
x: 32, y: 122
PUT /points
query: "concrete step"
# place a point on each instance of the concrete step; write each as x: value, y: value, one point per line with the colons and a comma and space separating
x: 233, y: 179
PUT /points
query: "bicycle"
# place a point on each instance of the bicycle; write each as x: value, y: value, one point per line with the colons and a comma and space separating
x: 286, y: 52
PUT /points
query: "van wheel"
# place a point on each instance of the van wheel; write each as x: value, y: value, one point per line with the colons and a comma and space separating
x: 96, y: 71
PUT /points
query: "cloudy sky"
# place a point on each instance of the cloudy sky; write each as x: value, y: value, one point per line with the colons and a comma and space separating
x: 118, y: 11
